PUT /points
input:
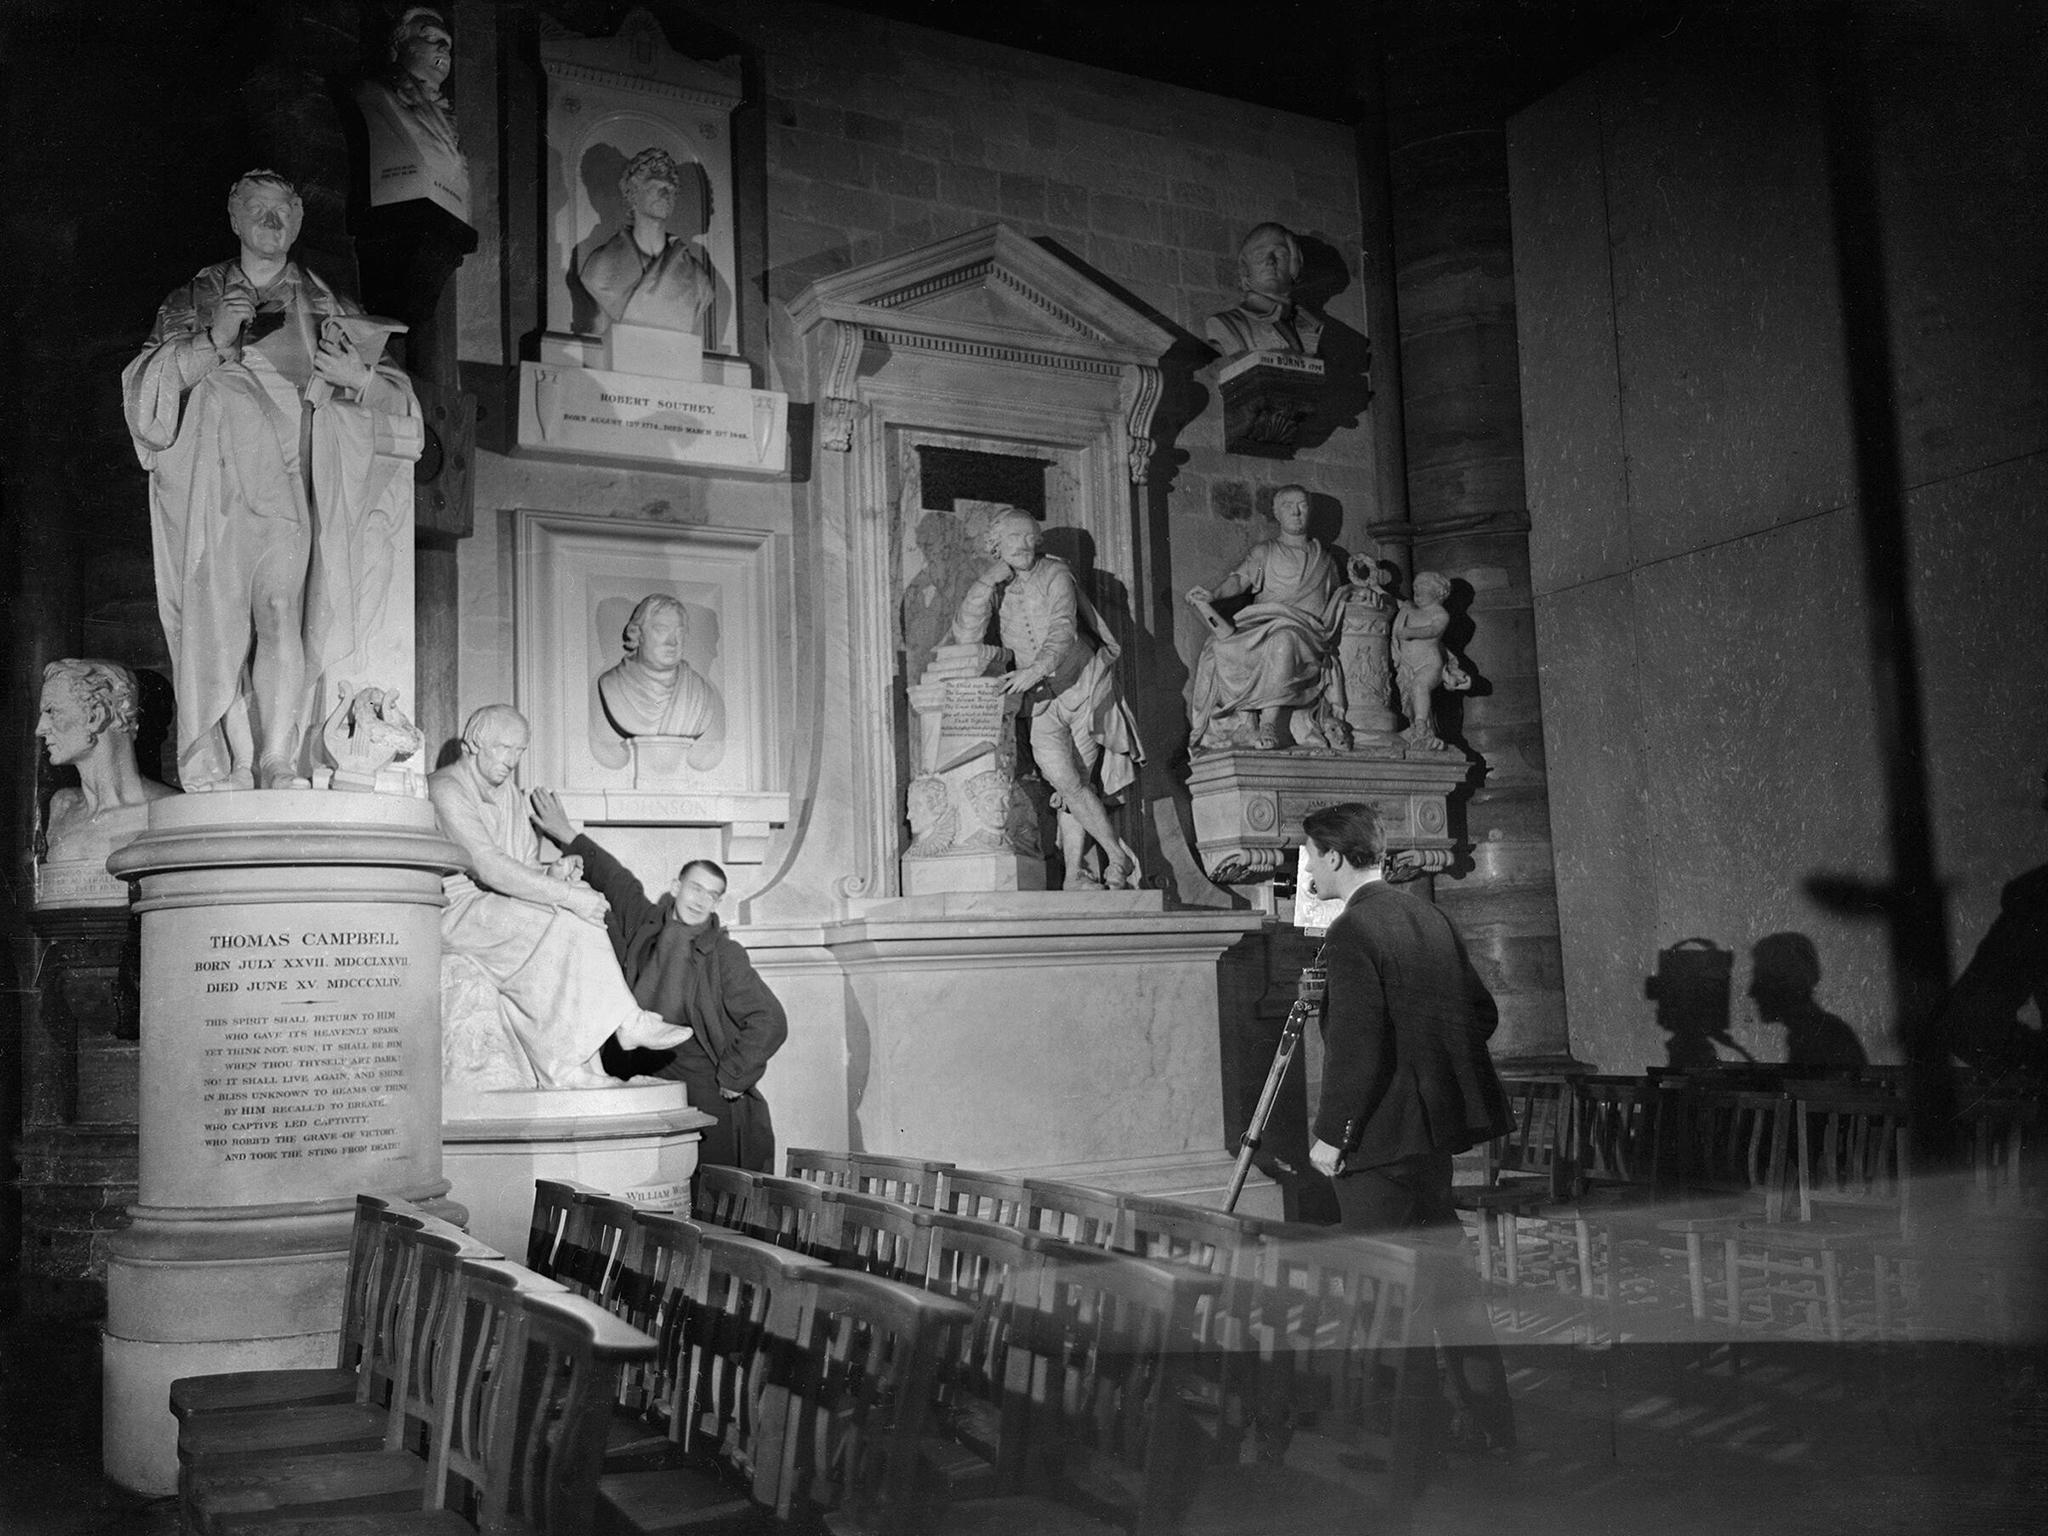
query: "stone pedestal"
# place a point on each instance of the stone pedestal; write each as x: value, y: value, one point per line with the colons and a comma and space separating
x: 638, y: 1142
x: 1035, y: 1029
x: 1267, y: 397
x: 1248, y: 806
x: 291, y: 949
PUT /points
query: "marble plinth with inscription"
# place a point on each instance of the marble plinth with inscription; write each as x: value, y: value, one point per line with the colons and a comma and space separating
x: 968, y: 829
x: 637, y: 1141
x: 291, y: 948
x: 648, y: 420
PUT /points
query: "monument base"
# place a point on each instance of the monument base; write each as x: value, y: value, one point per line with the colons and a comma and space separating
x: 638, y: 1142
x: 1000, y: 1030
x: 993, y: 869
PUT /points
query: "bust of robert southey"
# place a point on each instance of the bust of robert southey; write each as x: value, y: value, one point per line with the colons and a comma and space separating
x: 642, y: 276
x: 1266, y: 318
x: 652, y: 691
x: 87, y: 721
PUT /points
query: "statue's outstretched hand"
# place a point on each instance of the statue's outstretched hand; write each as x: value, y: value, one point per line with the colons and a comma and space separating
x: 549, y: 816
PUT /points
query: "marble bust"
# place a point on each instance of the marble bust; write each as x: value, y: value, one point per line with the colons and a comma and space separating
x: 87, y: 722
x: 651, y: 691
x: 1266, y: 318
x: 642, y: 276
x: 414, y: 150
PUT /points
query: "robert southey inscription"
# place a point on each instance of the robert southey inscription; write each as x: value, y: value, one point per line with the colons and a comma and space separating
x: 302, y: 1078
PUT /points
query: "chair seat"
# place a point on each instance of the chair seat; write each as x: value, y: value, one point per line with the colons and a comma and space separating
x: 298, y: 1430
x: 311, y: 1387
x: 694, y: 1499
x: 388, y: 1522
x: 331, y: 1484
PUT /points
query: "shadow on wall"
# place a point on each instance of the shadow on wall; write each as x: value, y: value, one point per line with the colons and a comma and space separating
x: 1693, y: 989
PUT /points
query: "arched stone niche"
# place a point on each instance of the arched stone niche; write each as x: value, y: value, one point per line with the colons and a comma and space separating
x: 985, y: 345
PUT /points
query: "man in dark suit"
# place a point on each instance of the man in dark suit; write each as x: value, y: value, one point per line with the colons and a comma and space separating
x: 1407, y: 1083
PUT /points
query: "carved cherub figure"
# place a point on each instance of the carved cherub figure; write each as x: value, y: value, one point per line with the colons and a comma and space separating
x: 1421, y: 664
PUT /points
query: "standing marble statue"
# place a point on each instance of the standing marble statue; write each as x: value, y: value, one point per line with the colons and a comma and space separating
x: 258, y: 421
x: 535, y: 928
x: 1080, y: 724
x: 1278, y: 655
x: 1421, y: 664
x: 640, y: 276
x: 652, y: 691
x: 88, y: 720
x: 1266, y: 318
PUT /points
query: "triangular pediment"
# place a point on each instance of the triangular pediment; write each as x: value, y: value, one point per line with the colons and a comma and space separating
x: 989, y: 285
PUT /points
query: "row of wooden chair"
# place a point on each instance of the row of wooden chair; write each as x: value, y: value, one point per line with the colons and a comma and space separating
x: 1661, y: 1203
x: 468, y: 1395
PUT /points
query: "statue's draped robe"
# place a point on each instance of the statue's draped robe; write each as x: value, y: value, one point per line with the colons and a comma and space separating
x: 237, y: 465
x: 638, y: 703
x: 671, y: 291
x: 560, y: 991
x: 1284, y: 639
x: 1078, y: 712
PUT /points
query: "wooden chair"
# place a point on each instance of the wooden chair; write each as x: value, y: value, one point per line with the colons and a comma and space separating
x: 652, y: 1295
x: 260, y: 1462
x: 875, y: 1235
x: 986, y: 1197
x: 723, y: 1196
x: 1522, y: 1168
x: 554, y: 1237
x: 870, y: 1357
x: 816, y: 1166
x: 607, y: 1228
x: 374, y: 1264
x: 1074, y: 1212
x: 1110, y: 1436
x: 976, y: 1444
x: 909, y: 1180
x: 520, y: 1427
x: 792, y: 1213
x: 733, y: 1359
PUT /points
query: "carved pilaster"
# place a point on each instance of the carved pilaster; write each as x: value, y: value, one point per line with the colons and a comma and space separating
x: 837, y: 402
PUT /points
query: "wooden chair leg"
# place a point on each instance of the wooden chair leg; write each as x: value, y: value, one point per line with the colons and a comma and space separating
x: 1696, y: 1275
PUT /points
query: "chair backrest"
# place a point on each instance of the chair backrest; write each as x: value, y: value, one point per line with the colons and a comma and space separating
x: 1853, y: 1156
x: 425, y: 1328
x: 606, y: 1227
x: 1110, y: 1336
x: 654, y: 1297
x: 910, y: 1180
x: 376, y: 1254
x: 817, y: 1166
x: 747, y: 1312
x: 525, y: 1395
x: 1533, y: 1148
x: 986, y: 1266
x: 2001, y: 1145
x: 1615, y: 1137
x: 1733, y: 1142
x: 1074, y: 1212
x: 876, y: 1236
x: 986, y: 1197
x: 791, y: 1213
x: 555, y: 1224
x: 871, y: 1354
x: 724, y: 1196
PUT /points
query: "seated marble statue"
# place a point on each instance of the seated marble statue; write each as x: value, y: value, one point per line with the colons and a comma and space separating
x: 640, y: 275
x: 257, y: 419
x: 413, y: 146
x: 652, y: 691
x: 1266, y: 318
x: 1421, y: 664
x: 88, y: 720
x: 536, y: 930
x: 1279, y: 652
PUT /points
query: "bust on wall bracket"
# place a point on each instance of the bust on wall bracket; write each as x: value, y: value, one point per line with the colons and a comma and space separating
x: 1271, y: 380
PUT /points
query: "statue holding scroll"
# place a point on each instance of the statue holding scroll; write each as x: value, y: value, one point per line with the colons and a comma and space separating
x: 535, y: 929
x: 88, y: 720
x: 1277, y: 657
x: 1082, y: 733
x: 1266, y: 318
x: 257, y: 406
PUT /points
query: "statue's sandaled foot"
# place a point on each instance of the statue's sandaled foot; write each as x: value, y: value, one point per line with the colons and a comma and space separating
x: 1083, y: 880
x: 1264, y: 740
x: 651, y: 1032
x: 1122, y: 872
x: 276, y: 773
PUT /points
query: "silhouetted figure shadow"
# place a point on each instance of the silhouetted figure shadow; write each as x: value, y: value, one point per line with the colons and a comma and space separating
x: 1691, y: 990
x: 1784, y: 974
x: 1982, y: 1019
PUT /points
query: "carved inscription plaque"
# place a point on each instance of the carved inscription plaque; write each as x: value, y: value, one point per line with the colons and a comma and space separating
x: 309, y: 1067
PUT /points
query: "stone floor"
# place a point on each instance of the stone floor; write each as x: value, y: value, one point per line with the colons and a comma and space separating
x: 1668, y: 1440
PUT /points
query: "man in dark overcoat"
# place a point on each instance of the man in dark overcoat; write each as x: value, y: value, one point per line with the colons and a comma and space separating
x: 1407, y: 1084
x: 683, y: 965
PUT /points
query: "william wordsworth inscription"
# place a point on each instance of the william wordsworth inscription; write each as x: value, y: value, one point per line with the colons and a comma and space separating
x: 304, y: 1060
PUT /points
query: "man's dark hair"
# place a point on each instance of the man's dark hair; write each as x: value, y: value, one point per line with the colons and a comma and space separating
x: 1352, y: 829
x: 710, y: 865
